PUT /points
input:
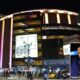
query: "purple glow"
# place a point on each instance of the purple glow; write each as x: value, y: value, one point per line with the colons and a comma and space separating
x: 0, y: 53
x: 2, y: 44
x: 0, y: 40
x: 10, y: 63
x: 0, y: 49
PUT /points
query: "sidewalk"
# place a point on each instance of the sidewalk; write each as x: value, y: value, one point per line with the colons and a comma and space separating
x: 24, y: 78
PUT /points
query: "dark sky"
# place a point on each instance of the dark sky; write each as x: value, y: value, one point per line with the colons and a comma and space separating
x: 10, y: 6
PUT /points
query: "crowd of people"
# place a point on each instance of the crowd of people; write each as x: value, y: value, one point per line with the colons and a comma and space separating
x: 32, y: 75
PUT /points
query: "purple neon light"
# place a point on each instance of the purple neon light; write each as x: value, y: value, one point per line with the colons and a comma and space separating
x: 10, y: 63
x: 0, y: 47
x: 2, y: 43
x: 0, y: 40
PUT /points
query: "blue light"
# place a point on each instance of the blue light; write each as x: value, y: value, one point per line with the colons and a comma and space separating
x: 73, y: 53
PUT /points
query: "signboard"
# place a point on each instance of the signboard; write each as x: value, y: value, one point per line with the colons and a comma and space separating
x: 66, y: 49
x: 26, y: 46
x: 29, y: 18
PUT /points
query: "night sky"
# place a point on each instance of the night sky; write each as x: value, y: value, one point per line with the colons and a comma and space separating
x: 11, y: 6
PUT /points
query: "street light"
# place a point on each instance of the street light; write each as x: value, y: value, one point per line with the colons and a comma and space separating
x: 27, y: 50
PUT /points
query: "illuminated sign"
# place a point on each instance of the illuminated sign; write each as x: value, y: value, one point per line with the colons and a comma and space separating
x: 66, y: 49
x: 29, y: 18
x: 26, y: 45
x: 33, y: 22
x: 26, y: 16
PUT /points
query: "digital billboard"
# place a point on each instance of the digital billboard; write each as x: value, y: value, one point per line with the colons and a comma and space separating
x: 26, y: 46
x: 51, y: 47
x: 66, y: 49
x: 74, y: 47
x: 71, y: 49
x: 29, y: 18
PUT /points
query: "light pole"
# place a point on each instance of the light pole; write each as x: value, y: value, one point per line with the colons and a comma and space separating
x: 27, y: 50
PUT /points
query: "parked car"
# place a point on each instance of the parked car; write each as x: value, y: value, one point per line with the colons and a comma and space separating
x: 52, y: 75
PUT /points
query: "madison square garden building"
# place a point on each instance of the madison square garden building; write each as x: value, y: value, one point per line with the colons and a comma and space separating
x: 36, y: 36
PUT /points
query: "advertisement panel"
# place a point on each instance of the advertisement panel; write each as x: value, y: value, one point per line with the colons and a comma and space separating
x: 26, y: 46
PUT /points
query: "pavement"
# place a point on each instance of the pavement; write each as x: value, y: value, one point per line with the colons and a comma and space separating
x: 13, y: 77
x: 18, y: 78
x: 22, y: 78
x: 25, y: 78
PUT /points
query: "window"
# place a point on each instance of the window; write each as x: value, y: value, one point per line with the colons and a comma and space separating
x: 52, y: 18
x: 74, y: 19
x: 63, y: 19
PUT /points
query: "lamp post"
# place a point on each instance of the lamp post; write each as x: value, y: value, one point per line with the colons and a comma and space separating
x: 27, y: 50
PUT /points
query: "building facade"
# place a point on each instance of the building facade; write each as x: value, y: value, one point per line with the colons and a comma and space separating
x: 50, y: 26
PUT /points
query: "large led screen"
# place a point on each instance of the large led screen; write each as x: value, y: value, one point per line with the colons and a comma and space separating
x: 51, y: 47
x: 74, y: 47
x: 26, y: 46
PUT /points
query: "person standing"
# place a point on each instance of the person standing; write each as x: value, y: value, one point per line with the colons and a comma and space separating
x: 45, y: 75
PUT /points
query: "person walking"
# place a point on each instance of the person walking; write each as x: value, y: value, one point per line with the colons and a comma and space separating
x: 45, y: 75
